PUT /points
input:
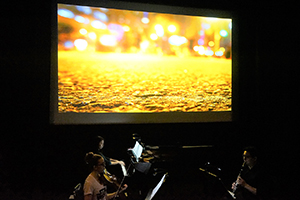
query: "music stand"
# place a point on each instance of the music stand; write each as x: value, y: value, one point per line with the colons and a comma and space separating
x: 222, y: 183
x: 135, y: 154
x: 153, y: 191
x: 136, y: 151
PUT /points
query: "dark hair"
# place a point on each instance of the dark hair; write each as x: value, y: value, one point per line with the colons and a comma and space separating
x: 94, y: 143
x: 252, y: 150
x: 92, y: 159
x: 99, y: 138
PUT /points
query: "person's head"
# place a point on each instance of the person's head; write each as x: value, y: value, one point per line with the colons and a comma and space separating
x: 95, y: 162
x: 250, y: 155
x: 98, y: 143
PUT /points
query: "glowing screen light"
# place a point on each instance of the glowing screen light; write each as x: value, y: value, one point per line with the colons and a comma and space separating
x: 219, y: 53
x: 155, y: 49
x: 222, y: 49
x: 108, y: 40
x: 117, y: 30
x: 196, y: 48
x: 98, y: 24
x: 65, y: 13
x: 83, y: 31
x: 201, y: 42
x: 200, y: 50
x: 92, y: 35
x: 205, y: 26
x: 159, y: 30
x: 68, y: 44
x: 172, y: 28
x: 177, y: 40
x: 85, y: 9
x: 101, y: 16
x: 81, y: 44
x: 80, y: 19
x: 153, y: 36
x: 211, y: 43
x: 126, y: 28
x: 144, y: 45
x: 145, y: 20
x: 223, y: 33
x: 209, y: 53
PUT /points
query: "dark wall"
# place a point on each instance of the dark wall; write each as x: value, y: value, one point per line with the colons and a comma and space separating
x: 267, y: 93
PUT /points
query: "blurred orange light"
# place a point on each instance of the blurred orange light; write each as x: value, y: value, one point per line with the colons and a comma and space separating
x: 211, y: 43
x: 217, y: 37
x: 222, y: 49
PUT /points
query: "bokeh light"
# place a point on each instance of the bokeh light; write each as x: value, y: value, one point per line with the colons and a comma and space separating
x: 92, y: 35
x: 223, y: 33
x: 172, y: 51
x: 177, y: 40
x: 83, y: 31
x: 98, y: 24
x: 145, y: 20
x: 81, y: 44
x: 146, y: 32
x: 108, y: 40
x: 172, y: 28
x: 211, y: 43
x: 153, y: 36
x: 65, y: 13
x: 159, y: 30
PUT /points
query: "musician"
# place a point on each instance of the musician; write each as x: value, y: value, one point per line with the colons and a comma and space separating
x: 254, y: 182
x: 99, y: 145
x: 94, y: 186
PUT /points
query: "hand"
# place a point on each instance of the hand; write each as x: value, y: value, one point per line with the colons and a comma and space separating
x: 124, y: 187
x: 121, y: 163
x: 241, y: 182
x: 233, y: 186
x: 245, y: 185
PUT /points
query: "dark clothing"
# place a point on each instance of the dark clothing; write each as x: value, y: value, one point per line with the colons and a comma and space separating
x: 260, y: 179
x: 106, y: 159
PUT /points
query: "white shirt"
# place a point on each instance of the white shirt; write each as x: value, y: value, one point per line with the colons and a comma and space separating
x: 93, y: 187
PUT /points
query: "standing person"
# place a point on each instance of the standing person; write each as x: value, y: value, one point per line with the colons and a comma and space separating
x: 94, y: 186
x: 99, y: 145
x: 253, y: 182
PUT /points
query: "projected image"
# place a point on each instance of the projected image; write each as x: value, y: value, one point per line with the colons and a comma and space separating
x: 119, y: 61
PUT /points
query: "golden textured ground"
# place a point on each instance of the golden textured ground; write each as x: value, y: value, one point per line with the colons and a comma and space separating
x: 112, y: 82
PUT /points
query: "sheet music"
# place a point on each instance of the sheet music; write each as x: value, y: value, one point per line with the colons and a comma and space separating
x: 153, y: 192
x: 124, y: 170
x: 137, y: 151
